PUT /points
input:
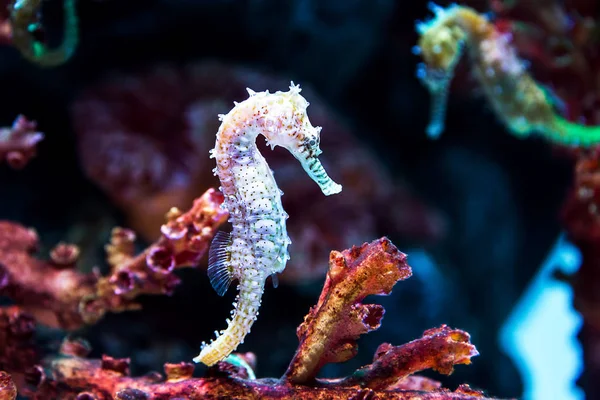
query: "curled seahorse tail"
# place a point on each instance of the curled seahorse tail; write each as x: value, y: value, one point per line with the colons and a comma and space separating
x: 569, y: 133
x: 244, y: 314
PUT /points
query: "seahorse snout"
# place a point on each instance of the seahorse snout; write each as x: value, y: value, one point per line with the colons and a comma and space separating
x: 315, y: 170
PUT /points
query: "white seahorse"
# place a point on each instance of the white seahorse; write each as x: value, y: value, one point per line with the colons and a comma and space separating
x: 257, y: 246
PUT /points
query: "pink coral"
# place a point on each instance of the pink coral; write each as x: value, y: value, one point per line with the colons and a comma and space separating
x: 60, y: 296
x: 18, y: 143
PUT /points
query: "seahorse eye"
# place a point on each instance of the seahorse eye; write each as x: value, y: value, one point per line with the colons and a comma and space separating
x: 312, y: 142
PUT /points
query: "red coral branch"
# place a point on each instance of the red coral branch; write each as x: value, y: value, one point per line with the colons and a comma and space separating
x: 439, y: 349
x: 18, y: 143
x: 60, y: 296
x: 329, y: 332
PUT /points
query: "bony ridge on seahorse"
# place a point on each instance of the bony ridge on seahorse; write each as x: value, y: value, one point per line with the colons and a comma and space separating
x: 522, y: 104
x: 25, y: 21
x: 257, y: 246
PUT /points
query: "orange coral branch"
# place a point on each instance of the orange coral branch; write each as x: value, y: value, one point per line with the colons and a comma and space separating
x: 329, y: 331
x: 17, y: 143
x: 439, y: 349
x: 59, y: 296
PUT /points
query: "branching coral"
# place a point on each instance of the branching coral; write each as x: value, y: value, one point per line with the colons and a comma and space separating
x: 18, y: 143
x: 518, y: 100
x: 393, y: 365
x: 330, y: 330
x: 60, y: 296
x: 372, y: 268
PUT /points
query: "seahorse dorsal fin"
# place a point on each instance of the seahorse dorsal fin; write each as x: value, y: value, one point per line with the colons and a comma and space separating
x: 220, y: 272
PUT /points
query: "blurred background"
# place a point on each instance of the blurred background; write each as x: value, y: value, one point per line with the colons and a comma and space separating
x: 130, y: 118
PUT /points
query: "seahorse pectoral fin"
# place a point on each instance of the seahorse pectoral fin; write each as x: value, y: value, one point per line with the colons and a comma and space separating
x: 219, y: 271
x: 275, y: 280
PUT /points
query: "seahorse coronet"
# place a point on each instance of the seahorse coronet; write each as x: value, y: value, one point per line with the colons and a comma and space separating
x: 257, y: 246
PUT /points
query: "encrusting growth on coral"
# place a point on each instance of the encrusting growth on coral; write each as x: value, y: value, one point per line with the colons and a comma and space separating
x: 25, y: 24
x: 18, y: 143
x: 517, y: 99
x: 60, y: 296
x: 257, y: 246
x: 355, y: 273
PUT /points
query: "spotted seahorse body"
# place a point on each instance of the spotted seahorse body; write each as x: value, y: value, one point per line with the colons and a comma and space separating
x: 257, y: 246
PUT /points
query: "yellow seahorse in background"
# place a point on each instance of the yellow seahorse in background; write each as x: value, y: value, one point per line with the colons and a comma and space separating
x: 25, y: 21
x: 517, y: 99
x: 257, y: 246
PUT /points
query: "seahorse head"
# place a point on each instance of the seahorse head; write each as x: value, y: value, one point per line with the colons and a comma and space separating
x: 441, y: 38
x: 291, y: 128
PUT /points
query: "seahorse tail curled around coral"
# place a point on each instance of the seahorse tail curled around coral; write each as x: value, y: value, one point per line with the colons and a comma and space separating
x: 24, y: 16
x: 243, y: 317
